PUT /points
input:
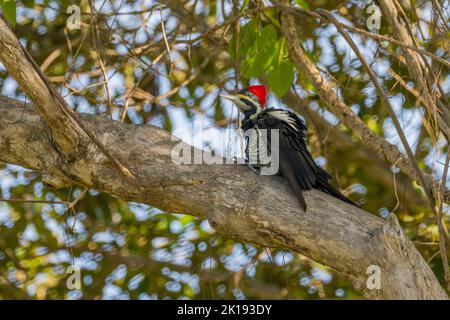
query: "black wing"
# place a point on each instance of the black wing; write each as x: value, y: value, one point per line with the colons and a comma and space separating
x: 296, y: 163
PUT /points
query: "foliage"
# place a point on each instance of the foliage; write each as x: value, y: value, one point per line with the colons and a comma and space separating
x: 263, y: 51
x: 9, y: 10
x: 126, y: 250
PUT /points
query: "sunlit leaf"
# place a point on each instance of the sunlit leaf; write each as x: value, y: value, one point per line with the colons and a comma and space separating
x: 242, y: 41
x: 281, y: 74
x: 244, y: 5
x: 303, y: 4
x: 261, y: 55
x: 9, y: 11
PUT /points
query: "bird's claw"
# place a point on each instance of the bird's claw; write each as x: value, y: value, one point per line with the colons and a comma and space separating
x: 254, y: 169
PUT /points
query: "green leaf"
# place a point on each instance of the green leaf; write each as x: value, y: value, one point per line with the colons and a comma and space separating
x: 281, y: 74
x: 240, y: 43
x: 261, y: 54
x: 28, y: 3
x: 244, y: 5
x: 302, y: 4
x: 272, y: 14
x: 9, y: 11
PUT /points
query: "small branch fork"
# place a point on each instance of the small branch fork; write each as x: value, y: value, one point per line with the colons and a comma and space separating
x: 68, y: 130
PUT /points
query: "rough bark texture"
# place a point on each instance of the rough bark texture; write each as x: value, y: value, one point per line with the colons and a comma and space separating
x: 237, y: 203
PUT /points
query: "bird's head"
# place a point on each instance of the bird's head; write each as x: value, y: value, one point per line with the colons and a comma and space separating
x: 250, y: 100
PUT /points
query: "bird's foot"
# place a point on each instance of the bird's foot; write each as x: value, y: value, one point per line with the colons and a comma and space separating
x: 253, y: 168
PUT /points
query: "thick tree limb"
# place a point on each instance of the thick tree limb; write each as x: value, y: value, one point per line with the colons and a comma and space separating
x: 237, y: 203
x: 65, y: 129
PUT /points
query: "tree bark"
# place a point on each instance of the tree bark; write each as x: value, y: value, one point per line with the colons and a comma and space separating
x: 237, y: 203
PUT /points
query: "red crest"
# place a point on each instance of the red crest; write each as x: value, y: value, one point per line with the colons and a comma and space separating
x: 260, y: 92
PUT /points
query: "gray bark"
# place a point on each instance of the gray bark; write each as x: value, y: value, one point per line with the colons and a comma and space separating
x: 237, y: 203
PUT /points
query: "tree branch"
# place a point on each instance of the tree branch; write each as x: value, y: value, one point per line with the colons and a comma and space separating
x: 301, y: 13
x: 401, y: 134
x: 418, y: 67
x: 68, y: 131
x: 236, y: 202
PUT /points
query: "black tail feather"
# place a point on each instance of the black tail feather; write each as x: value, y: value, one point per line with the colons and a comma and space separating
x: 297, y: 190
x: 287, y: 172
x: 300, y: 197
x: 328, y: 188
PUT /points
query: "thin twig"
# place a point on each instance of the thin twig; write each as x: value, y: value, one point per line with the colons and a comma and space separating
x: 163, y: 29
x: 100, y: 59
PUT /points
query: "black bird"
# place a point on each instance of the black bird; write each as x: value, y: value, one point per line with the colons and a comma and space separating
x: 295, y: 162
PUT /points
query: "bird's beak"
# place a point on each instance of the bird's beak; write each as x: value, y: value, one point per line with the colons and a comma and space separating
x: 234, y: 99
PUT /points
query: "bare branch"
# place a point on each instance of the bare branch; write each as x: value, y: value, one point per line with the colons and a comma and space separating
x: 69, y: 132
x: 418, y: 67
x: 381, y: 92
x: 299, y: 12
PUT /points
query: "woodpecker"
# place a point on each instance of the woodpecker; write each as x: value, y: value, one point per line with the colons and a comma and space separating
x: 296, y: 164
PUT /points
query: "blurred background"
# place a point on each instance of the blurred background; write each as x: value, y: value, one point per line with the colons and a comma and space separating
x: 164, y: 64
